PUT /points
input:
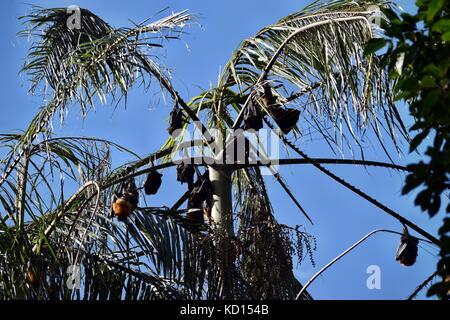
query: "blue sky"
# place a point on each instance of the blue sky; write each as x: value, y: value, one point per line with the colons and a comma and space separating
x: 340, y: 217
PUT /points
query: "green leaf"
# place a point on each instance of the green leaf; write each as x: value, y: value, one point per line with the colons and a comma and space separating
x: 446, y: 36
x: 427, y: 82
x: 442, y: 25
x: 373, y: 45
x: 434, y: 8
x: 435, y: 71
x: 417, y: 140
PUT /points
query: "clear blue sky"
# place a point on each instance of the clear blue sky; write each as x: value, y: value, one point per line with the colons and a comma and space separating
x: 340, y: 217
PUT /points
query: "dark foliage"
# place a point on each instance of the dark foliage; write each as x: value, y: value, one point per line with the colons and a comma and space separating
x: 418, y: 54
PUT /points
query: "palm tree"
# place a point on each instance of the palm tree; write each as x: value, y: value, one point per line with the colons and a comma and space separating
x: 312, y: 60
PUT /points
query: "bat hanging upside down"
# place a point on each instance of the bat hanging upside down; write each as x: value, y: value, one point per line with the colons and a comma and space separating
x: 152, y: 183
x: 198, y: 196
x: 125, y: 202
x: 407, y: 249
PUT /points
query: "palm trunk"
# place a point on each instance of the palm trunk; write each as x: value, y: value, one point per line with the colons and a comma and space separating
x: 221, y: 211
x: 222, y: 217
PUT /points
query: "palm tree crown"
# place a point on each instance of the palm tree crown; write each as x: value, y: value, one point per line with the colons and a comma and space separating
x: 306, y: 72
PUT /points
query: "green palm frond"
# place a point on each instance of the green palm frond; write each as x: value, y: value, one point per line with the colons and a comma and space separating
x: 94, y: 60
x: 80, y: 64
x: 315, y: 60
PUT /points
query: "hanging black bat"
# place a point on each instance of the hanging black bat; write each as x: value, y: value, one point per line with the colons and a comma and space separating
x: 252, y: 117
x: 200, y: 194
x: 286, y: 118
x: 185, y: 174
x: 407, y: 250
x: 238, y: 150
x: 176, y: 120
x: 152, y: 183
x: 197, y: 197
x: 195, y: 215
x: 267, y: 96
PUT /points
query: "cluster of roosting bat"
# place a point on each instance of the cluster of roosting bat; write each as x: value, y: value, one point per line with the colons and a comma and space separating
x: 285, y: 118
x: 199, y: 205
x: 200, y: 191
x: 199, y: 201
x: 126, y: 201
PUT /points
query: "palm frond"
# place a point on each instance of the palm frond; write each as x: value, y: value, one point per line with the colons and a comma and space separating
x: 95, y: 59
x: 315, y: 60
x: 79, y: 64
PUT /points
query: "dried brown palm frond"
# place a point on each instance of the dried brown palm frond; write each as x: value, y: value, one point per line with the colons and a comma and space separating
x: 267, y: 247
